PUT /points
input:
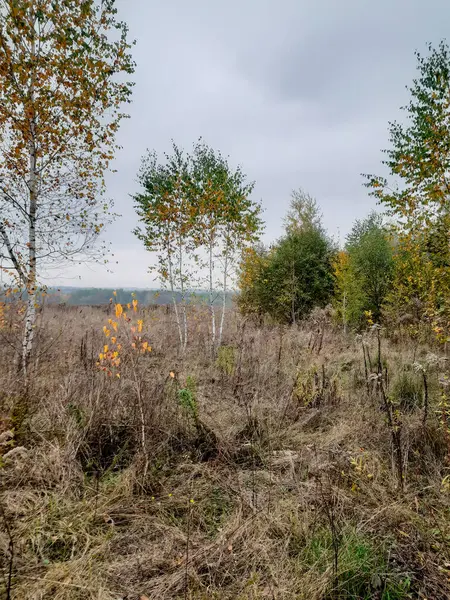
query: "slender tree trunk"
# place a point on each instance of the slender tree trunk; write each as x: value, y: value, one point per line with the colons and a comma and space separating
x: 185, y: 324
x: 30, y: 316
x: 174, y: 300
x: 224, y: 297
x: 183, y: 298
x: 138, y: 388
x: 211, y: 294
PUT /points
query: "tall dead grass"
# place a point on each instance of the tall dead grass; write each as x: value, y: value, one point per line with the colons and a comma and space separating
x: 280, y: 483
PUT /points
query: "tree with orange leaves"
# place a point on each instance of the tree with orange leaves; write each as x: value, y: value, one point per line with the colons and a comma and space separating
x: 62, y: 87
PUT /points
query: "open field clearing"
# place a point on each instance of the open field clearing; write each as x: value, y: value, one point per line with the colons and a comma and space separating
x: 268, y: 470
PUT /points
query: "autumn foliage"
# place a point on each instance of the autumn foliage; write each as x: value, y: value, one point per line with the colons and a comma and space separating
x: 123, y: 337
x: 417, y: 196
x: 62, y: 68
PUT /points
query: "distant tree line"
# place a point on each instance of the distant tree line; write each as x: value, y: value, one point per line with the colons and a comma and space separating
x: 103, y: 296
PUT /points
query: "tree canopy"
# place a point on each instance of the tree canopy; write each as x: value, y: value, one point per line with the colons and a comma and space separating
x: 364, y: 271
x: 287, y: 281
x: 63, y: 80
x: 196, y: 213
x: 416, y: 194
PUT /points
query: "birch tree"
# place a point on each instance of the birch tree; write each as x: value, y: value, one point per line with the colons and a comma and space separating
x: 196, y: 214
x: 364, y: 271
x: 60, y: 109
x: 227, y: 219
x: 167, y: 213
x: 417, y: 194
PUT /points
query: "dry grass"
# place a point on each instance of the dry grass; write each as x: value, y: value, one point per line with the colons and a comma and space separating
x: 288, y: 454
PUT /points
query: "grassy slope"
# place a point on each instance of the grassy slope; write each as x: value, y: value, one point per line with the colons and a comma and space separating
x: 288, y: 463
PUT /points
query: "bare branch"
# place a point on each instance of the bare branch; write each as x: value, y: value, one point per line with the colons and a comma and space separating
x: 11, y: 254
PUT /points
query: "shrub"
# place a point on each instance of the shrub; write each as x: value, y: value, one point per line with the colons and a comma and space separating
x: 363, y: 572
x: 226, y: 359
x: 407, y: 390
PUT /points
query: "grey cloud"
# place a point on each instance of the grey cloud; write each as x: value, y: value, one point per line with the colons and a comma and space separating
x: 299, y: 92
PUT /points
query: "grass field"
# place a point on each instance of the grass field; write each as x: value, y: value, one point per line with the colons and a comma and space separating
x: 265, y: 470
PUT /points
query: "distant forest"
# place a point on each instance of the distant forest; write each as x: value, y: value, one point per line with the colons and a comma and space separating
x: 99, y: 296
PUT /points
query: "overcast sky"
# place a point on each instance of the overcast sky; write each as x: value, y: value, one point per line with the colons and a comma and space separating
x: 299, y: 92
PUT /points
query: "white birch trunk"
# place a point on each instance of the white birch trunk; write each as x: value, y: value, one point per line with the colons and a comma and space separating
x: 175, y: 305
x: 211, y: 296
x: 224, y: 296
x: 30, y: 316
x: 183, y: 299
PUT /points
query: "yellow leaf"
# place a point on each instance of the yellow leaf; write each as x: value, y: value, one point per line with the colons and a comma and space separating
x: 119, y: 310
x: 172, y: 374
